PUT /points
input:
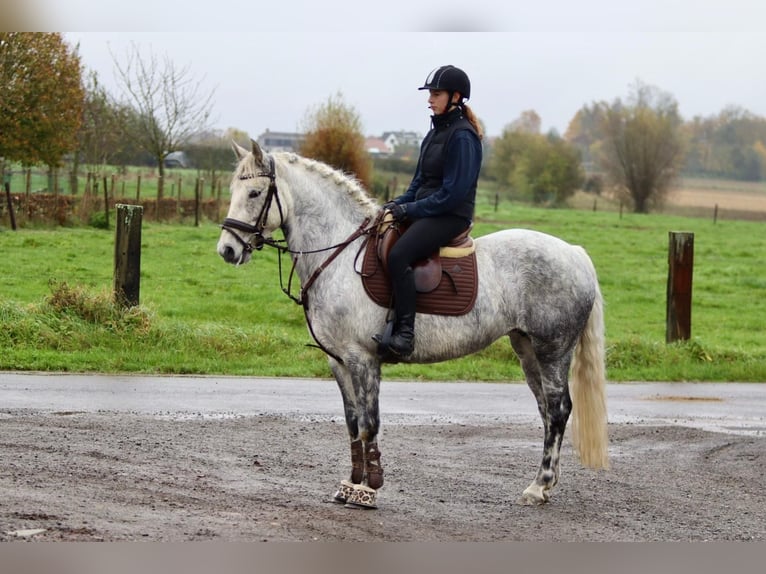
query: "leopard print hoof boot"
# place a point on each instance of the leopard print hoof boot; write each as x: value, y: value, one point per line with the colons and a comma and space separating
x: 362, y: 497
x: 345, y: 490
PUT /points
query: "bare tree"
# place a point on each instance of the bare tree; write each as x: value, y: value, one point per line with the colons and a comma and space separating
x: 100, y: 137
x: 643, y: 149
x: 170, y: 103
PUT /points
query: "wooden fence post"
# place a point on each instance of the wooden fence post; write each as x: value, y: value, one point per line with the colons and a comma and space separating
x: 218, y: 199
x: 106, y: 203
x: 127, y: 255
x: 28, y: 192
x: 7, y: 186
x: 679, y: 299
x: 197, y: 199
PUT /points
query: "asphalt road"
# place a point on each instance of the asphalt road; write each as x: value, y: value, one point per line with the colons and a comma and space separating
x: 736, y: 408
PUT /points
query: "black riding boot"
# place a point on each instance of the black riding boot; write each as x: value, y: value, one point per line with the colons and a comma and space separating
x: 401, y: 340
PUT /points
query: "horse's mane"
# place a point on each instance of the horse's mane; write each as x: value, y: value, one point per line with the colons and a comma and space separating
x: 344, y: 181
x: 247, y: 167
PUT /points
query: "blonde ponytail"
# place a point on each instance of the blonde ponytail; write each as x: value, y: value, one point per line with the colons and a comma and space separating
x: 471, y: 117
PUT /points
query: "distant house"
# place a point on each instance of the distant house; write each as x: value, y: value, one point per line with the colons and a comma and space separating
x: 377, y: 146
x: 384, y: 145
x: 401, y: 138
x: 280, y: 141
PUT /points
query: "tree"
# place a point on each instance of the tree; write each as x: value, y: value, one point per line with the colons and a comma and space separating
x: 726, y: 145
x: 169, y: 102
x: 101, y: 134
x: 41, y: 98
x: 759, y: 149
x: 528, y: 122
x: 334, y: 135
x: 507, y: 151
x: 642, y: 150
x: 545, y: 169
x: 584, y: 131
x: 549, y: 171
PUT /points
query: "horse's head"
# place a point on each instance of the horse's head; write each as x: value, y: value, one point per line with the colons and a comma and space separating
x: 255, y: 210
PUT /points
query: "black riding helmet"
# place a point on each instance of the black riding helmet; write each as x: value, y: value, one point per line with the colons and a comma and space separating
x: 450, y: 79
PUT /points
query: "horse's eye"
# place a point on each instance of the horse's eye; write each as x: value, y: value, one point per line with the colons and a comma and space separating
x: 253, y: 193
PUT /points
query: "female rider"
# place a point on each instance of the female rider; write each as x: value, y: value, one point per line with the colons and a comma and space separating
x: 439, y: 202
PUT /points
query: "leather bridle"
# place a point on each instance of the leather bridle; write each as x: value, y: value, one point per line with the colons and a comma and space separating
x: 256, y: 230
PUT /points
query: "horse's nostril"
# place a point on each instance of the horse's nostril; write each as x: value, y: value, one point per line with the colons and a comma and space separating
x: 228, y: 254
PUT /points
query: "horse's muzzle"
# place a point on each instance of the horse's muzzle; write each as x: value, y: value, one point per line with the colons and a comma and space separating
x: 232, y: 255
x: 229, y: 254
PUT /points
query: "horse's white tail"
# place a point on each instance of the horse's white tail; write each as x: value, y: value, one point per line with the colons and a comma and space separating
x: 588, y: 391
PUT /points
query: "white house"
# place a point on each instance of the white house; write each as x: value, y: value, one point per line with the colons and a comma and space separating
x: 400, y: 138
x: 377, y: 146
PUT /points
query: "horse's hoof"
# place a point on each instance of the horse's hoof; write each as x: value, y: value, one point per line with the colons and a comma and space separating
x: 534, y: 495
x: 529, y: 501
x: 345, y: 490
x: 362, y: 497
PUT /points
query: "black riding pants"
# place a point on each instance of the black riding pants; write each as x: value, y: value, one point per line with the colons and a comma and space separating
x: 419, y: 241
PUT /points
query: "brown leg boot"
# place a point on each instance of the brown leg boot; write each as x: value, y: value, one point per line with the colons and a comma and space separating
x: 372, y: 466
x: 346, y: 488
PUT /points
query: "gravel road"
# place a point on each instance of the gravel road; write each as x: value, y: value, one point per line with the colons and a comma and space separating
x: 85, y: 466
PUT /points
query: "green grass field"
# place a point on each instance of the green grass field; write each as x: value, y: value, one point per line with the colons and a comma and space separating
x: 199, y: 315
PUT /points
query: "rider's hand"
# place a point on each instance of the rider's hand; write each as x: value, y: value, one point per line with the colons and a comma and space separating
x: 398, y: 212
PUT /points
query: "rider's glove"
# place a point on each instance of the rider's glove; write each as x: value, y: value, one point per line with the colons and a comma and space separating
x: 398, y: 212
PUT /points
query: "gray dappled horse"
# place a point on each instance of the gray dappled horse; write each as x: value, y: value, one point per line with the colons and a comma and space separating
x: 539, y: 291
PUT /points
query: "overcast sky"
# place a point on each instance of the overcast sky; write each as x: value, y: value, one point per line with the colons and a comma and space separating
x: 270, y: 64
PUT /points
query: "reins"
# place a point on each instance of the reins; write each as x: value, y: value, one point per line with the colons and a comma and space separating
x: 256, y: 230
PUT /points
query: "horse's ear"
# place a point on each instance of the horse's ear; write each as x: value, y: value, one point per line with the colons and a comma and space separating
x: 257, y: 153
x: 239, y: 151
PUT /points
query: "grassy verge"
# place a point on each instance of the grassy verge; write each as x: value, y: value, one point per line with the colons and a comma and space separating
x: 199, y: 315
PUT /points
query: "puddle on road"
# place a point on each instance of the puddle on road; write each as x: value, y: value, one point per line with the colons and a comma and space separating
x: 681, y: 398
x: 711, y: 424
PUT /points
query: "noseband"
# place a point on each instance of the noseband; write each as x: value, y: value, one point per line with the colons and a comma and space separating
x: 256, y: 230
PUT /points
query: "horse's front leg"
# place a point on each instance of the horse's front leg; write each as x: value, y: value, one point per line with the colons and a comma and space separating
x: 359, y: 383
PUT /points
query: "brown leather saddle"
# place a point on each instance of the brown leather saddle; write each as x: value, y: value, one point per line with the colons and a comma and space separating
x: 446, y: 282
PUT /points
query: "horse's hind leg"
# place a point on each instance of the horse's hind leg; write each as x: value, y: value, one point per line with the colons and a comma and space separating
x: 548, y: 382
x: 359, y: 385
